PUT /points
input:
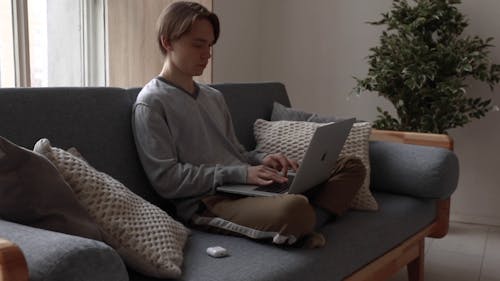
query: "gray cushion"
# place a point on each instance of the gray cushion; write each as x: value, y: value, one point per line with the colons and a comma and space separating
x: 353, y: 240
x: 32, y: 192
x: 281, y: 112
x: 326, y: 119
x: 422, y: 171
x: 55, y: 256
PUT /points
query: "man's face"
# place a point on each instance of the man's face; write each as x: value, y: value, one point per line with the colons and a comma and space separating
x: 190, y: 53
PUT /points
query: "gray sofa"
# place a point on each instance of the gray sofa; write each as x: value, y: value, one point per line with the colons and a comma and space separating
x: 409, y: 182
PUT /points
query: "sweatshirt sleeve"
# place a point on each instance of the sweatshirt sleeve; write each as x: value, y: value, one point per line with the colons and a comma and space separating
x: 170, y: 178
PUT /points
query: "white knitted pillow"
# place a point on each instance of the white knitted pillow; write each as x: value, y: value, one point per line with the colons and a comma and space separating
x: 146, y: 237
x: 292, y: 138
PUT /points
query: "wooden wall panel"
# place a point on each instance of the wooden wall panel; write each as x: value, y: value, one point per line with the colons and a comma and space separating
x: 133, y: 56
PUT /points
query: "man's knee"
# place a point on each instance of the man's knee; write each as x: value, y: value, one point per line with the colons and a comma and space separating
x: 295, y: 215
x: 354, y: 166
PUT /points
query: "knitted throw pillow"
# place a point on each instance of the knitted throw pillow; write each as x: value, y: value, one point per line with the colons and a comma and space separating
x: 33, y: 192
x: 292, y: 138
x: 146, y: 237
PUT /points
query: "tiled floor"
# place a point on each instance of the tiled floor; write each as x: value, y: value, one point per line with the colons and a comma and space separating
x: 468, y: 253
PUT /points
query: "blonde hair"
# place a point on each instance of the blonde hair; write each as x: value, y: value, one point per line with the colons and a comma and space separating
x: 177, y: 19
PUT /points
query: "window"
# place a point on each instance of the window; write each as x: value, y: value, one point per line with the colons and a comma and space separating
x: 80, y: 42
x: 7, y: 77
x: 52, y: 43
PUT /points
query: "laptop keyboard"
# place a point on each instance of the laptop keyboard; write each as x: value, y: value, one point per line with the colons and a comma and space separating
x: 275, y: 187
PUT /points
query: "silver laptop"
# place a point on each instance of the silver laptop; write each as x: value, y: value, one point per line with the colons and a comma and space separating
x: 319, y: 161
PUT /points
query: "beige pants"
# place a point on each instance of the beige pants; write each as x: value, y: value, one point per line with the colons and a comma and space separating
x: 282, y: 218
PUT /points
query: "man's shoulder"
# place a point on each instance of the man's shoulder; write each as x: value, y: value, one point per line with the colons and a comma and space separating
x: 210, y: 92
x: 208, y: 89
x: 154, y: 91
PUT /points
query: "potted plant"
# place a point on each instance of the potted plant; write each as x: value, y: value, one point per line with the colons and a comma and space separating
x: 422, y: 66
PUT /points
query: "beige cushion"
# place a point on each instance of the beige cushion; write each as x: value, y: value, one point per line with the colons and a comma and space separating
x: 32, y: 192
x: 292, y: 138
x: 146, y: 237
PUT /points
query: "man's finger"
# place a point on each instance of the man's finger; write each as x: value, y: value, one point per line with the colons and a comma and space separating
x: 264, y: 182
x: 271, y: 174
x: 270, y: 170
x: 284, y: 165
x: 275, y: 164
x: 279, y: 178
x: 268, y: 173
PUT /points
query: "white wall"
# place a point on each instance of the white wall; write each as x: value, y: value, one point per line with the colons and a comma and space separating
x: 237, y: 54
x: 477, y: 144
x: 315, y: 47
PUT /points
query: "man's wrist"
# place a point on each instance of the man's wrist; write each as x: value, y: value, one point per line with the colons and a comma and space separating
x: 233, y: 174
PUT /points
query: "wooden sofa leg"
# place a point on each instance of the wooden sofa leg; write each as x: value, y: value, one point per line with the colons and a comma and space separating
x: 416, y: 267
x: 442, y: 219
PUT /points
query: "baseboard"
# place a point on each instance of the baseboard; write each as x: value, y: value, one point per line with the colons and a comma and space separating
x: 485, y: 220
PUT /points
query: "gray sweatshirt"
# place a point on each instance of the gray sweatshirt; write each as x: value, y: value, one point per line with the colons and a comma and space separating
x: 187, y: 144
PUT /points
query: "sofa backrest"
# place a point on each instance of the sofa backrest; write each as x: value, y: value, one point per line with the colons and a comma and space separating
x: 249, y: 101
x: 97, y: 121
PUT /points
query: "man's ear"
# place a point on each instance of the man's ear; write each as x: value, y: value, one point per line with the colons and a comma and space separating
x: 166, y: 44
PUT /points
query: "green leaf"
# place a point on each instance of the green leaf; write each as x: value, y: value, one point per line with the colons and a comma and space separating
x: 421, y: 65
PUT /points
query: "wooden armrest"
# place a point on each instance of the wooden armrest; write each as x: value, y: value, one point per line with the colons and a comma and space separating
x: 411, y: 252
x: 13, y: 265
x: 436, y: 140
x: 442, y: 223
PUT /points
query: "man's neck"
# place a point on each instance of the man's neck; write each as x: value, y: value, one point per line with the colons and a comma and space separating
x: 177, y: 78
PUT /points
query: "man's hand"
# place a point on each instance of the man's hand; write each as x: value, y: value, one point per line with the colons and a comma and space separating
x: 263, y: 175
x: 280, y: 162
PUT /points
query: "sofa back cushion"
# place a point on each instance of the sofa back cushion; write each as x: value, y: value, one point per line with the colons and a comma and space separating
x: 248, y: 102
x: 96, y: 120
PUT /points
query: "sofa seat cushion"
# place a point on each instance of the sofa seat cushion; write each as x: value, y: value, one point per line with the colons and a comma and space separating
x: 353, y: 240
x: 57, y: 256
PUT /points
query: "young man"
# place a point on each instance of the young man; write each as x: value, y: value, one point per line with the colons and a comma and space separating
x: 187, y: 145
